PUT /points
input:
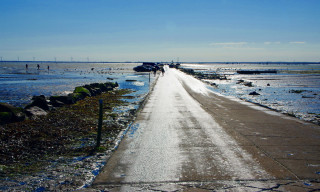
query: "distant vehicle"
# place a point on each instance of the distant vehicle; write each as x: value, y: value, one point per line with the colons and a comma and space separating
x: 155, y: 65
x: 174, y: 65
x: 143, y: 68
x: 146, y: 67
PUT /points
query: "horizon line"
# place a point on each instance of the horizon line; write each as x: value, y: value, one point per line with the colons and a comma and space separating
x: 181, y: 62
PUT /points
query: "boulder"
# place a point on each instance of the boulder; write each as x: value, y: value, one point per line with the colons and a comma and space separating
x: 96, y: 91
x: 6, y: 117
x: 10, y: 113
x: 76, y: 96
x: 103, y: 87
x: 108, y: 86
x: 57, y: 103
x: 83, y: 91
x: 57, y: 100
x: 35, y: 111
x: 248, y: 84
x: 5, y: 107
x: 39, y: 101
x: 240, y: 81
x: 91, y: 90
x: 254, y: 93
x: 112, y: 84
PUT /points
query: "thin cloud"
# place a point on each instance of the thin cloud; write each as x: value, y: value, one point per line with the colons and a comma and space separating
x: 297, y: 42
x: 229, y: 43
x: 271, y: 43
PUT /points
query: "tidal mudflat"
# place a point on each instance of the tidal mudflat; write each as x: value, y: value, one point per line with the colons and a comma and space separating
x: 294, y: 89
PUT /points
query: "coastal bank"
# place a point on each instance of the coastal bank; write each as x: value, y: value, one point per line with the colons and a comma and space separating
x: 56, y: 150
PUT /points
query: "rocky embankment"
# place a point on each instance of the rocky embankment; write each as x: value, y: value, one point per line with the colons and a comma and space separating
x: 50, y: 144
x: 40, y: 106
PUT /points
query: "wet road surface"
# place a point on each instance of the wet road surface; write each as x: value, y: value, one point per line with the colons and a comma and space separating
x: 186, y: 139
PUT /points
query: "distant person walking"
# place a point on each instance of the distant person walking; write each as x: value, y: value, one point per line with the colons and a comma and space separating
x: 48, y: 67
x: 38, y: 66
x: 162, y: 71
x: 154, y: 71
x: 27, y: 66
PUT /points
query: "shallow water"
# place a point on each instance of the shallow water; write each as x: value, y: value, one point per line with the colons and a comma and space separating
x: 288, y: 91
x: 18, y: 84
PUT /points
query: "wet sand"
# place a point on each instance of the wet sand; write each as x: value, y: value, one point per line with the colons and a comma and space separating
x: 188, y: 138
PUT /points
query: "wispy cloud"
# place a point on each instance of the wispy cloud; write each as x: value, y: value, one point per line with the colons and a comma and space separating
x: 272, y: 43
x: 229, y: 43
x: 297, y: 42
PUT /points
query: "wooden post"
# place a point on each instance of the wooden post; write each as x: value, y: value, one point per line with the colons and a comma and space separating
x: 99, y: 123
x: 149, y: 81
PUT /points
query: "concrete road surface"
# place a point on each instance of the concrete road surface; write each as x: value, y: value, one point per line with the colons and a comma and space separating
x: 187, y: 138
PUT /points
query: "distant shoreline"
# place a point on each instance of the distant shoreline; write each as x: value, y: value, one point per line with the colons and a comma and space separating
x: 187, y: 62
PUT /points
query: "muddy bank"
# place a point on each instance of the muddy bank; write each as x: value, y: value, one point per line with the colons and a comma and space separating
x: 56, y: 151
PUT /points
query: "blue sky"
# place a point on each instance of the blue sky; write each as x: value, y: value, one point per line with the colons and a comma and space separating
x: 160, y: 30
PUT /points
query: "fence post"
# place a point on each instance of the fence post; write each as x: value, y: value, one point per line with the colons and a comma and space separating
x: 149, y: 80
x: 99, y: 123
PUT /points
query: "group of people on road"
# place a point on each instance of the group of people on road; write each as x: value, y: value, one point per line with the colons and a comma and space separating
x: 155, y: 71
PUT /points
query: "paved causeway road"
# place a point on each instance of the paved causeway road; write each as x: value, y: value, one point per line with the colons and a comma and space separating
x: 187, y: 138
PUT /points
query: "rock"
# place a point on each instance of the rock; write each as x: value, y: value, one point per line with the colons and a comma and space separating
x: 248, y: 84
x: 112, y: 84
x: 57, y: 103
x: 103, y: 87
x: 35, y: 111
x: 308, y: 96
x: 76, y: 96
x: 5, y: 107
x: 39, y: 101
x: 6, y: 117
x: 57, y: 100
x: 83, y: 91
x: 268, y: 84
x: 91, y: 90
x: 10, y: 113
x: 240, y: 81
x: 94, y: 91
x: 254, y: 93
x: 214, y: 84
